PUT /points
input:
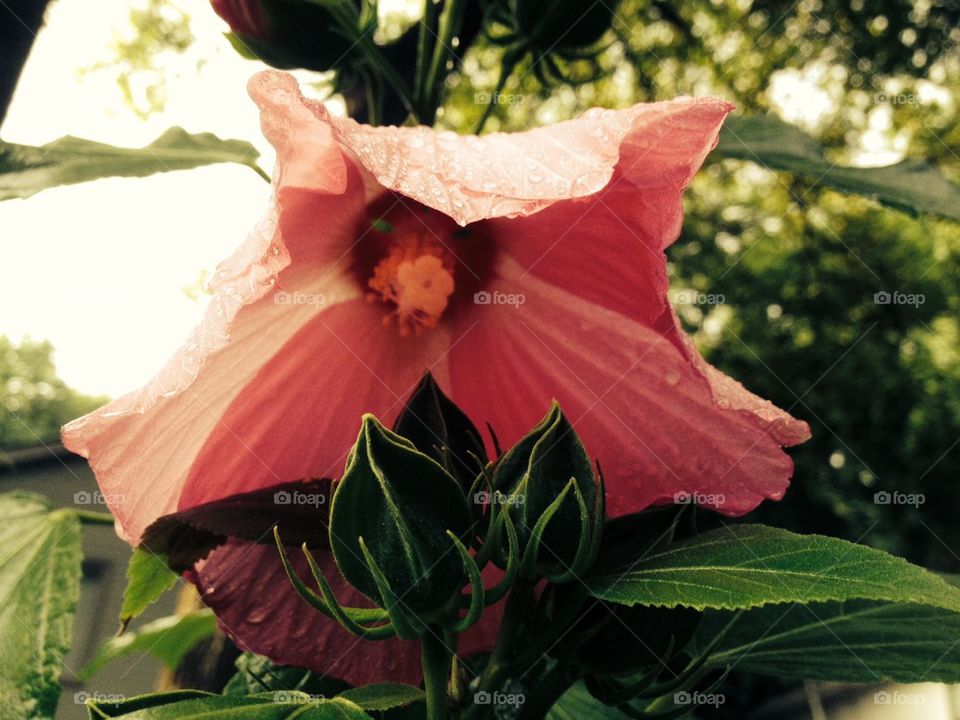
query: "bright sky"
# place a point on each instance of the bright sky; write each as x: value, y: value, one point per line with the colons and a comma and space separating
x: 99, y: 268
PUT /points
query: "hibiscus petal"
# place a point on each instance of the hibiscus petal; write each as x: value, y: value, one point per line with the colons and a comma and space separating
x: 246, y: 587
x: 471, y: 178
x: 300, y: 415
x: 608, y: 247
x: 639, y: 403
x: 142, y: 445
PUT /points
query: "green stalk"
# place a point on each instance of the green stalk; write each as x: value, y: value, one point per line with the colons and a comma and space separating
x: 514, y: 613
x: 435, y: 660
x: 548, y: 690
x: 451, y: 18
x: 507, y: 64
x: 372, y: 55
x: 425, y: 46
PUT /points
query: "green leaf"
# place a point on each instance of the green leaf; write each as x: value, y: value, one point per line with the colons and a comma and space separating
x: 26, y: 170
x: 912, y: 185
x: 278, y: 705
x: 383, y: 696
x: 168, y: 639
x: 577, y: 703
x: 148, y: 577
x: 744, y: 566
x: 256, y: 674
x: 854, y: 641
x: 39, y: 585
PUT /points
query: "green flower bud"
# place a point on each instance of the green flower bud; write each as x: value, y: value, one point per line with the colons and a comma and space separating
x: 441, y: 430
x: 547, y: 484
x: 389, y: 523
x: 287, y: 33
x: 562, y: 25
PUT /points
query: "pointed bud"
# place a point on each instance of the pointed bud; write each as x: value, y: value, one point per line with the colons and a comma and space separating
x: 562, y: 25
x: 547, y: 484
x: 285, y: 33
x: 441, y: 430
x: 389, y: 523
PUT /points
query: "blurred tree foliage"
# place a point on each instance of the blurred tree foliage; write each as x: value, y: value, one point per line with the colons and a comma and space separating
x: 158, y: 30
x: 34, y: 402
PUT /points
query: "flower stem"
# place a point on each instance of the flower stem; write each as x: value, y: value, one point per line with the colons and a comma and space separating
x: 549, y: 689
x: 425, y: 45
x: 435, y: 660
x: 514, y: 613
x: 451, y: 18
x: 507, y: 64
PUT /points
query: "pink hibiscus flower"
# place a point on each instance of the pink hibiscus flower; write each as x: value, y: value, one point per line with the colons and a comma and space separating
x: 516, y: 268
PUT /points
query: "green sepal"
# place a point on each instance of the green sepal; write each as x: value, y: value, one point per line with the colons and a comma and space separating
x: 402, y: 503
x: 441, y: 430
x: 533, y: 476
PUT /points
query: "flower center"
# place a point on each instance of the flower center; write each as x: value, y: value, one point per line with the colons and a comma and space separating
x: 415, y: 278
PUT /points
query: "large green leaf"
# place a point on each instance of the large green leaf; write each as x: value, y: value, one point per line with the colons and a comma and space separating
x: 578, y: 704
x: 911, y: 185
x: 168, y: 639
x: 854, y: 641
x: 744, y: 566
x: 39, y: 585
x: 383, y: 696
x: 256, y: 674
x: 26, y: 170
x: 148, y: 577
x: 278, y: 705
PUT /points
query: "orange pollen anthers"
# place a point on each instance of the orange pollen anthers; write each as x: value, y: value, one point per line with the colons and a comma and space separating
x: 416, y: 277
